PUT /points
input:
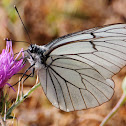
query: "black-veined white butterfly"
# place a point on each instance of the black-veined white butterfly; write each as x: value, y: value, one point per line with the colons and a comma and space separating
x: 75, y: 70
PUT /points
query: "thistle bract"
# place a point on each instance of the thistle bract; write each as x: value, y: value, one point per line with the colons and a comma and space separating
x: 8, y: 64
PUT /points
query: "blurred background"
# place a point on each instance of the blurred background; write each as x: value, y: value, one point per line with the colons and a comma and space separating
x: 46, y: 20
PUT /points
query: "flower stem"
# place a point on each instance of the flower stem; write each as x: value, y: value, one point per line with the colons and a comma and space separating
x: 114, y: 110
x: 17, y: 103
x: 2, y: 122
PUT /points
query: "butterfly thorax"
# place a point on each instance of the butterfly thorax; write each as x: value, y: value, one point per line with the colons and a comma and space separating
x: 36, y: 56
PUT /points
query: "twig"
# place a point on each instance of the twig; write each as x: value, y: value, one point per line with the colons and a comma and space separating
x: 3, y: 123
x: 18, y: 102
x: 114, y: 110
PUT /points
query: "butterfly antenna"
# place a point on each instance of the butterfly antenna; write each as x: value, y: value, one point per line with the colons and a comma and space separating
x: 20, y: 41
x: 23, y: 24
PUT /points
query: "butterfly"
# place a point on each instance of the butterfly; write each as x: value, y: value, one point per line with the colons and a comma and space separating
x: 76, y: 70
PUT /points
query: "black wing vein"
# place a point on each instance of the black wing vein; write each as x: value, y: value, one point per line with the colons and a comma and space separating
x: 53, y: 86
x: 61, y: 90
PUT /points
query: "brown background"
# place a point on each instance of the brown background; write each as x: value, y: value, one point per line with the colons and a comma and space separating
x: 46, y: 20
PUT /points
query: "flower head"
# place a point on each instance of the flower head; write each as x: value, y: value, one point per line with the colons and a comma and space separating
x: 8, y: 64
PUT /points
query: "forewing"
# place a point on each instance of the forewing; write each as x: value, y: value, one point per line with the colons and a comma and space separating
x: 105, y: 51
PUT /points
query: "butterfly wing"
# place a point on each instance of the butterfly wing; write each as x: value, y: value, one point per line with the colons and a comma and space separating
x: 71, y: 84
x: 80, y: 68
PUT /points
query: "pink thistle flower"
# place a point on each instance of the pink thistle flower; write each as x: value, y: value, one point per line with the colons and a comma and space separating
x: 8, y: 64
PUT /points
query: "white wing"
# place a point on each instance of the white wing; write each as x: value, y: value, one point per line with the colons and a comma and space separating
x: 79, y: 70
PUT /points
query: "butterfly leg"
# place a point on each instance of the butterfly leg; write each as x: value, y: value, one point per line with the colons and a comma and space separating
x: 25, y: 74
x: 30, y: 75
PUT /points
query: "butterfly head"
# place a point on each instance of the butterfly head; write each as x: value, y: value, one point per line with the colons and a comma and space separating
x: 32, y: 48
x: 36, y: 56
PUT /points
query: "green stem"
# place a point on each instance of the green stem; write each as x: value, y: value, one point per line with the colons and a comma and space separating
x: 17, y: 103
x: 114, y: 110
x: 2, y: 122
